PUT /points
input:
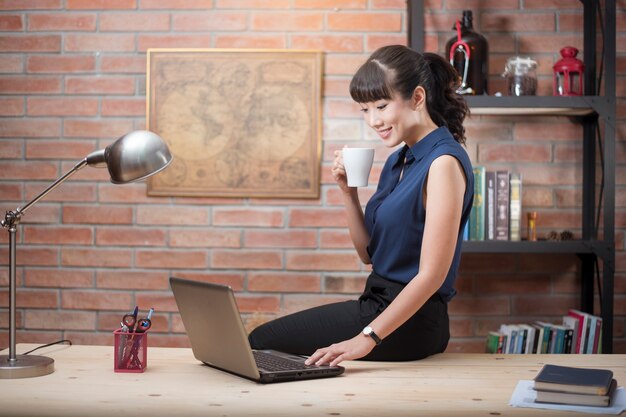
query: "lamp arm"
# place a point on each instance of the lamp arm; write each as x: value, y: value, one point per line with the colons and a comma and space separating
x: 13, y: 217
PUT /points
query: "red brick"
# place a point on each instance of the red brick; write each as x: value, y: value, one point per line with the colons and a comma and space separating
x: 99, y: 43
x: 58, y: 235
x: 122, y: 64
x: 287, y: 21
x: 248, y: 217
x: 58, y: 278
x: 134, y: 22
x: 66, y: 320
x: 204, y: 238
x: 252, y: 4
x: 59, y: 149
x: 28, y: 298
x: 208, y: 22
x: 132, y: 280
x: 336, y: 87
x: 334, y: 239
x: 11, y: 63
x: 187, y: 259
x: 62, y: 106
x: 98, y: 129
x: 240, y: 259
x: 375, y: 22
x: 534, y: 44
x: 330, y: 4
x: 30, y: 4
x: 235, y: 280
x: 99, y: 85
x: 70, y: 191
x: 127, y: 193
x: 176, y: 4
x: 250, y: 304
x: 171, y: 215
x: 27, y: 170
x: 11, y: 192
x: 513, y: 284
x: 548, y: 305
x: 547, y: 131
x: 280, y: 238
x: 130, y: 236
x: 30, y: 84
x: 88, y: 338
x: 322, y: 261
x: 123, y: 107
x: 60, y: 64
x: 62, y: 22
x: 283, y: 282
x: 201, y: 40
x: 328, y: 43
x: 480, y: 306
x: 31, y: 128
x: 299, y: 302
x: 102, y: 214
x: 42, y: 213
x: 374, y: 41
x: 343, y: 64
x: 11, y: 23
x: 244, y: 40
x: 511, y: 152
x: 322, y: 217
x: 11, y: 149
x: 96, y: 300
x: 30, y: 43
x: 101, y: 4
x: 96, y: 257
x: 550, y: 175
x: 344, y: 284
x: 498, y: 21
x: 161, y: 302
x: 11, y: 106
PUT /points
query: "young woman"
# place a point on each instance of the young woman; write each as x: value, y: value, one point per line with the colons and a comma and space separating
x: 412, y: 228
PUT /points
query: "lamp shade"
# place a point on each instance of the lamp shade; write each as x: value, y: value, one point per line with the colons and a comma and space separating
x: 133, y: 157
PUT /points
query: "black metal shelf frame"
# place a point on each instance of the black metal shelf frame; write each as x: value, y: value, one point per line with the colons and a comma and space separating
x: 590, y: 110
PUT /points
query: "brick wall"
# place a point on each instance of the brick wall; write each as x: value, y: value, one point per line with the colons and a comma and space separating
x: 72, y: 79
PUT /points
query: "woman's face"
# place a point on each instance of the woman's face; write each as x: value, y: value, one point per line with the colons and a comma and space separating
x: 394, y: 120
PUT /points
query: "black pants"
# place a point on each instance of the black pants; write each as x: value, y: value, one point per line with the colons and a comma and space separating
x: 424, y: 334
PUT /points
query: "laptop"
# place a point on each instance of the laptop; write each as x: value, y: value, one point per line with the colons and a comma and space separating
x: 218, y: 338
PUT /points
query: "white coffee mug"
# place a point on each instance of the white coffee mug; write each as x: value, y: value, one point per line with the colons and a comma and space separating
x: 358, y: 163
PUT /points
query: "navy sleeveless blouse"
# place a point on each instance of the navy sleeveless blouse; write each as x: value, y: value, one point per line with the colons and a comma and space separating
x: 395, y: 215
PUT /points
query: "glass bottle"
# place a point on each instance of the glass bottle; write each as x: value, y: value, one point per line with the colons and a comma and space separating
x: 468, y: 52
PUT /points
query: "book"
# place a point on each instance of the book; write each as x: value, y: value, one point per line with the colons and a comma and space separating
x: 477, y: 215
x: 557, y: 397
x: 515, y: 209
x: 502, y: 205
x: 495, y: 342
x: 574, y: 380
x: 490, y: 205
x: 571, y: 323
x: 582, y: 327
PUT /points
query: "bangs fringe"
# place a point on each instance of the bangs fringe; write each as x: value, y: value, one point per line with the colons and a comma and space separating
x: 370, y: 83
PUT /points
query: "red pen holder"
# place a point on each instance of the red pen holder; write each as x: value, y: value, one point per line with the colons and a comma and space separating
x: 131, y: 351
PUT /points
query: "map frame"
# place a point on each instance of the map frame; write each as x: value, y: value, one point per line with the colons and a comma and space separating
x: 272, y: 147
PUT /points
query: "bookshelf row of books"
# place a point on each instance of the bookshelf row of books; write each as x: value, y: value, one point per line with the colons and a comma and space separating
x: 578, y: 332
x: 497, y: 210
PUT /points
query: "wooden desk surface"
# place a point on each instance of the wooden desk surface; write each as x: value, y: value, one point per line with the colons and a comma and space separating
x: 176, y: 384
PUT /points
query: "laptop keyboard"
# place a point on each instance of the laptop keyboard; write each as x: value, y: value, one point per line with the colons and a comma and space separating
x: 276, y: 363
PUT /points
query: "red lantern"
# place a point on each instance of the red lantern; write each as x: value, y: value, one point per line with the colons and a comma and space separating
x: 568, y: 73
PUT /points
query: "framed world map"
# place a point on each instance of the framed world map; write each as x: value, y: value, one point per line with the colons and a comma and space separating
x: 239, y: 122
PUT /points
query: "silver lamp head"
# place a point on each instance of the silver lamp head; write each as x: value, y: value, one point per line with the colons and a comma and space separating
x: 133, y: 157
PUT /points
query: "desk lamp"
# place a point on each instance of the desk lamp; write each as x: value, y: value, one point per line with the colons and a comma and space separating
x: 133, y: 157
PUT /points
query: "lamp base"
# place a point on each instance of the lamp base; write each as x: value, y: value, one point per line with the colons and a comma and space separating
x: 25, y: 366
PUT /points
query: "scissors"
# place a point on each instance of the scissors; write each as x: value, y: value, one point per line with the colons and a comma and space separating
x: 142, y: 325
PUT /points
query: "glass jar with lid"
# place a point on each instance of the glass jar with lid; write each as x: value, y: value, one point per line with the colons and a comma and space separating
x: 520, y: 75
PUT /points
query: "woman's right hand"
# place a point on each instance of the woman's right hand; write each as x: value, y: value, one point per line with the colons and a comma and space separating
x: 339, y: 172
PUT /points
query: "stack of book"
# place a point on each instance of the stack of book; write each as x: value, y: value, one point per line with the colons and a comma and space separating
x: 497, y: 210
x: 579, y: 332
x: 575, y: 386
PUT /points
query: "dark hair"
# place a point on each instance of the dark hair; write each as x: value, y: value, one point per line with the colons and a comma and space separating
x: 397, y: 68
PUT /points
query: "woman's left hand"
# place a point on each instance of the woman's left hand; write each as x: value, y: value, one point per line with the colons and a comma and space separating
x: 354, y: 348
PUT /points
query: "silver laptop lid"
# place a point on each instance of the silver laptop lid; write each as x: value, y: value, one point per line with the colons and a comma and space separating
x: 214, y: 327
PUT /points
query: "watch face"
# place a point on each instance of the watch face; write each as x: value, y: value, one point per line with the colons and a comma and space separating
x: 367, y: 331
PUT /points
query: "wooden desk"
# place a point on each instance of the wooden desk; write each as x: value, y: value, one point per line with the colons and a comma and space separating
x: 175, y: 384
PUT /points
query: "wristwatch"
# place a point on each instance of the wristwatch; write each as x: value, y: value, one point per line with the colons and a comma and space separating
x: 368, y: 331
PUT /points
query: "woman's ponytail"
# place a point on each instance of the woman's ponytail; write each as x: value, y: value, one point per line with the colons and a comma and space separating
x: 445, y: 106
